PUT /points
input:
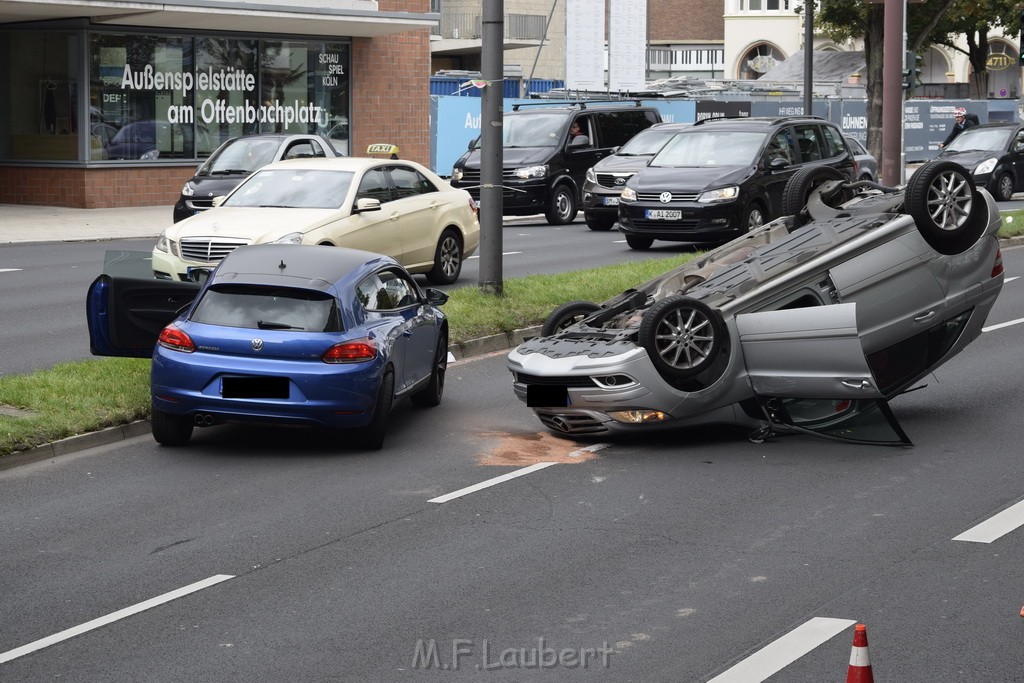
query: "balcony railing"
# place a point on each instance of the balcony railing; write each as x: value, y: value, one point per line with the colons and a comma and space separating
x: 468, y: 26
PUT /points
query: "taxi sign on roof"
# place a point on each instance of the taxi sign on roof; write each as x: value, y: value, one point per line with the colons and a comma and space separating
x: 382, y: 148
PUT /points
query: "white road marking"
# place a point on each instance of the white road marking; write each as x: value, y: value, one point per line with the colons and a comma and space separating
x: 1011, y: 279
x: 9, y: 270
x: 504, y: 253
x: 589, y: 449
x: 1018, y: 321
x: 995, y: 527
x: 110, y: 618
x: 490, y: 482
x: 451, y: 357
x: 779, y: 654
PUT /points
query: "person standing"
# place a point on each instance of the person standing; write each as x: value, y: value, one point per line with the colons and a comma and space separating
x: 960, y: 124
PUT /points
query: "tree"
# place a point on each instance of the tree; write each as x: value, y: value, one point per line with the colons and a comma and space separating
x: 974, y: 19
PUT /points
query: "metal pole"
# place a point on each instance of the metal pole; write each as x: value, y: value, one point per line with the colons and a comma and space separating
x: 903, y: 97
x: 491, y: 203
x: 892, y: 91
x: 808, y: 57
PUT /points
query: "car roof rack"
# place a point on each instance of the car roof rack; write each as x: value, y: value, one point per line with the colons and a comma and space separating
x: 581, y: 104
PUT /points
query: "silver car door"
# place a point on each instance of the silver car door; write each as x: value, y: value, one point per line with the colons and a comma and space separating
x: 812, y: 352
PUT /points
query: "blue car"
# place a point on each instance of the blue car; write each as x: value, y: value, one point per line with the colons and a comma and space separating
x: 279, y: 334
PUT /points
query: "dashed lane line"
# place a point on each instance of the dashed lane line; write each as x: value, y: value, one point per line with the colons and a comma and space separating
x: 110, y: 618
x: 490, y: 482
x: 9, y: 270
x: 995, y: 527
x: 779, y: 654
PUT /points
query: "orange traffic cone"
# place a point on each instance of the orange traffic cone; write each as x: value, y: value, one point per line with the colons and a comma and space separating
x: 860, y: 662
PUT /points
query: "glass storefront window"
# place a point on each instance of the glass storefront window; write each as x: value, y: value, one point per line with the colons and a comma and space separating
x: 164, y: 97
x: 41, y: 70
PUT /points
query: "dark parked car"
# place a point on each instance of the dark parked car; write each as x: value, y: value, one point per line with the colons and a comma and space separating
x: 867, y: 164
x: 543, y: 163
x: 605, y: 179
x: 157, y: 140
x: 994, y: 153
x: 810, y: 323
x: 236, y: 160
x: 724, y: 176
x: 279, y: 333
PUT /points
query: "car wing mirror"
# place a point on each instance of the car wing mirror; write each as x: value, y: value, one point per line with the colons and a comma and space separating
x: 435, y: 297
x: 777, y: 164
x: 366, y: 204
x: 217, y: 201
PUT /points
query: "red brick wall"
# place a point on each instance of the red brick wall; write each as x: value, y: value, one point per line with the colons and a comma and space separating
x: 391, y: 88
x: 92, y: 188
x: 674, y: 20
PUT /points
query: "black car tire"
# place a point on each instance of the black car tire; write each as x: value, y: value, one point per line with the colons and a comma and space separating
x: 798, y: 188
x: 561, y: 209
x: 950, y: 214
x: 371, y: 437
x: 682, y: 336
x: 639, y: 243
x: 447, y: 259
x: 597, y: 223
x: 753, y: 218
x: 1002, y: 187
x: 170, y: 430
x: 430, y: 395
x: 566, y: 315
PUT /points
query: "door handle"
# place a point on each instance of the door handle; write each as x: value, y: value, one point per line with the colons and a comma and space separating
x: 393, y: 216
x: 857, y: 384
x: 924, y: 316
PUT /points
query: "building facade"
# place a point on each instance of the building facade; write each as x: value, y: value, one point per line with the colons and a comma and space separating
x: 114, y: 104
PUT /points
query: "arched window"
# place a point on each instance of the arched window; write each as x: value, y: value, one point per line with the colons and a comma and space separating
x: 758, y: 60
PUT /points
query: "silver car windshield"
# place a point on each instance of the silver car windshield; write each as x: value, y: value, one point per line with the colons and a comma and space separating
x: 242, y: 155
x: 710, y: 148
x: 533, y: 130
x: 982, y: 139
x: 299, y: 188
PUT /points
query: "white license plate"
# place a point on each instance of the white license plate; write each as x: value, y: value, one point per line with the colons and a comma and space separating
x: 663, y: 214
x: 611, y: 201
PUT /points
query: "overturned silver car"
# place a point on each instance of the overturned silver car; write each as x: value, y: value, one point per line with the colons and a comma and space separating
x: 810, y: 323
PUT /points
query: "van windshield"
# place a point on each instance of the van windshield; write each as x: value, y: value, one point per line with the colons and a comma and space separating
x: 707, y: 148
x: 535, y: 129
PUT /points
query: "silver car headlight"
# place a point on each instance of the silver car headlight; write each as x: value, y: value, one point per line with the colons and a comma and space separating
x: 290, y: 238
x: 187, y: 190
x: 527, y: 172
x: 722, y: 194
x: 457, y: 174
x: 628, y: 194
x: 591, y: 176
x: 986, y: 166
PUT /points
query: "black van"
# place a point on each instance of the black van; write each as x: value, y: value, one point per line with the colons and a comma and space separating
x: 544, y: 163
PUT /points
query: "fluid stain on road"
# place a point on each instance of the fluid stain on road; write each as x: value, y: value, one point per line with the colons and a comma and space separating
x: 527, y: 448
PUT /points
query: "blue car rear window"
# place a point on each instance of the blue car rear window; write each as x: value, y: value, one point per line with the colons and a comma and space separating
x: 261, y: 307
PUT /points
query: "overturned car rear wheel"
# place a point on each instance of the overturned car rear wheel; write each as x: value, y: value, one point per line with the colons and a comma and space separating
x: 798, y: 188
x: 566, y: 315
x: 948, y: 211
x: 682, y: 336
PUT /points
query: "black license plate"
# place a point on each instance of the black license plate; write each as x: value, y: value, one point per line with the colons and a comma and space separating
x: 254, y: 387
x: 539, y: 396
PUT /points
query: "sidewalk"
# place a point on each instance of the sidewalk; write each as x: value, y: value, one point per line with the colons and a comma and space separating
x: 21, y: 223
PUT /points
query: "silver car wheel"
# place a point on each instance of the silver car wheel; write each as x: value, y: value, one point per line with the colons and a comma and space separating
x: 685, y: 338
x: 447, y: 259
x: 949, y: 200
x: 451, y: 256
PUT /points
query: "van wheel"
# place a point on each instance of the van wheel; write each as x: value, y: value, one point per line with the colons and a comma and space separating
x: 639, y: 243
x: 561, y: 206
x: 753, y: 218
x: 599, y: 224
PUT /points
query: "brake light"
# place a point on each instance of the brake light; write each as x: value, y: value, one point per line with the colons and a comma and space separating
x: 351, y: 352
x: 173, y: 338
x: 997, y: 267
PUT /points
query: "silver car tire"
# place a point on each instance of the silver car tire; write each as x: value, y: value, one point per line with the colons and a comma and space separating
x: 566, y: 315
x: 948, y: 211
x: 447, y: 259
x: 682, y: 336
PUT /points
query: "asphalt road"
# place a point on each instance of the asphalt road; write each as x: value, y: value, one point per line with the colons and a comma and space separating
x: 43, y: 285
x: 672, y: 558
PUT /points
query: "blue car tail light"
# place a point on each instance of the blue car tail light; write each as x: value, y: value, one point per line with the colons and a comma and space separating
x: 173, y: 338
x: 354, y: 351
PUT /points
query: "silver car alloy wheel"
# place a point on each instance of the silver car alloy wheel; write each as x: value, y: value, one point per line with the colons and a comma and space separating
x: 685, y: 338
x: 949, y: 200
x: 450, y: 256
